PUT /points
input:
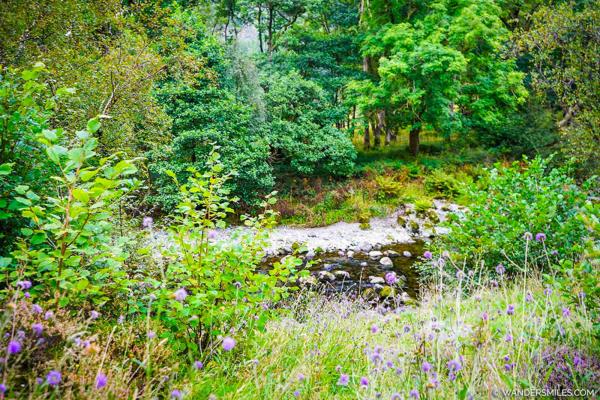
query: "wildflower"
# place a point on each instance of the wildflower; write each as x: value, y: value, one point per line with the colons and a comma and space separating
x: 151, y: 335
x: 301, y: 377
x: 509, y: 367
x: 527, y: 236
x: 37, y: 328
x: 426, y: 367
x: 500, y: 269
x: 101, y: 380
x: 508, y: 338
x: 460, y: 275
x: 581, y: 295
x: 566, y: 312
x: 548, y: 291
x: 485, y: 316
x: 176, y: 394
x: 406, y: 328
x: 540, y: 237
x: 364, y: 382
x: 427, y: 255
x: 510, y: 310
x: 577, y: 361
x: 374, y: 328
x: 198, y: 364
x: 228, y: 343
x: 344, y: 379
x: 338, y: 368
x: 296, y: 393
x: 53, y: 378
x: 529, y: 297
x: 396, y: 396
x: 121, y: 319
x: 48, y: 315
x: 391, y: 278
x: 414, y: 394
x: 212, y: 234
x: 39, y: 380
x: 24, y: 285
x: 36, y: 309
x: 147, y: 222
x: 180, y: 294
x: 2, y: 388
x: 94, y: 314
x: 14, y: 347
x: 494, y: 283
x: 454, y: 365
x: 27, y: 295
x: 554, y: 253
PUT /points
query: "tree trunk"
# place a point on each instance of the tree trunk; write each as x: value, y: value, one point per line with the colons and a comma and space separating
x: 376, y: 132
x: 260, y: 28
x: 367, y: 138
x: 413, y: 142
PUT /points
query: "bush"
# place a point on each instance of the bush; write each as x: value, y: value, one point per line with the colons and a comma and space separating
x: 515, y: 200
x: 67, y: 248
x: 208, y: 287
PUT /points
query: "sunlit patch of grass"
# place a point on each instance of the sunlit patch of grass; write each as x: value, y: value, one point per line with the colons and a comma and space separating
x: 451, y: 345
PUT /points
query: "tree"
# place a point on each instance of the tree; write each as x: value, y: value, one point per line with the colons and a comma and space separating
x: 563, y: 46
x: 437, y: 67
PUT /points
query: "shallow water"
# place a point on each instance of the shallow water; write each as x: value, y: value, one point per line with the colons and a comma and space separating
x: 359, y: 275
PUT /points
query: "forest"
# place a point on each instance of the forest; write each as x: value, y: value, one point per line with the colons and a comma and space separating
x: 299, y: 199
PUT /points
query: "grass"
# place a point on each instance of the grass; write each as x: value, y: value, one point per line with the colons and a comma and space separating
x: 474, y: 346
x: 385, y: 179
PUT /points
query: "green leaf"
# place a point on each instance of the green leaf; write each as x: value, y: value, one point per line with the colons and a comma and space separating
x: 5, y: 169
x: 93, y: 125
x: 81, y: 195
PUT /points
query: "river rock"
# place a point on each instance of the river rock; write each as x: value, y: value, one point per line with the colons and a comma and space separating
x: 363, y: 264
x: 307, y: 280
x: 342, y: 274
x: 387, y: 291
x: 375, y: 254
x: 406, y: 253
x: 386, y: 262
x: 310, y: 255
x: 391, y: 253
x: 350, y: 254
x: 376, y: 280
x: 326, y: 276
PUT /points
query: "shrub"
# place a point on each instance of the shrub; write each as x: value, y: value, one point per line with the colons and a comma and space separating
x: 515, y: 200
x: 208, y: 287
x: 67, y: 247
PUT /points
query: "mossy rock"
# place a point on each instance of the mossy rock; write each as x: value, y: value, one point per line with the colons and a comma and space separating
x: 365, y: 226
x: 369, y: 294
x: 433, y: 216
x: 401, y: 221
x: 414, y: 226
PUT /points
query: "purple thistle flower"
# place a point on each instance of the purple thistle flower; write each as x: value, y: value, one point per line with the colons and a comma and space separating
x: 427, y: 255
x: 176, y: 394
x: 500, y: 269
x: 406, y: 328
x: 374, y: 328
x: 577, y: 361
x: 296, y: 393
x: 147, y: 222
x: 3, y: 388
x: 48, y: 315
x: 540, y: 237
x: 391, y: 278
x: 27, y: 295
x: 344, y: 379
x: 426, y: 367
x: 485, y: 316
x: 460, y: 275
x: 529, y: 297
x: 396, y: 396
x: 566, y: 312
x: 454, y: 365
x: 53, y: 378
x: 180, y: 294
x: 581, y: 295
x: 24, y: 285
x: 510, y: 310
x: 37, y: 328
x: 14, y: 347
x: 151, y: 335
x: 301, y: 377
x: 508, y: 338
x: 198, y: 364
x: 527, y: 236
x: 509, y: 367
x: 212, y: 234
x: 101, y: 380
x: 36, y: 309
x: 494, y: 283
x: 228, y: 343
x: 364, y: 381
x: 94, y: 314
x: 548, y: 291
x: 414, y: 394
